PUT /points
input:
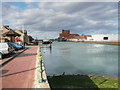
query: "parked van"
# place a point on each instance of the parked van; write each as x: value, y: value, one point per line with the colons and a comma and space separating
x: 6, y: 49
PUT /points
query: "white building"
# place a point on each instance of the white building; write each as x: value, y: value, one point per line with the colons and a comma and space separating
x: 73, y: 40
x: 104, y: 37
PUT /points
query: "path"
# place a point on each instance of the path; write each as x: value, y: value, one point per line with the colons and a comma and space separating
x: 19, y: 73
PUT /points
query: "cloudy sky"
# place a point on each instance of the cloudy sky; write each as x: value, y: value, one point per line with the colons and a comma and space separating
x: 47, y: 19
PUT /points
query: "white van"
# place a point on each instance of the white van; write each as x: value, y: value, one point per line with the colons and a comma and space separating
x: 6, y: 49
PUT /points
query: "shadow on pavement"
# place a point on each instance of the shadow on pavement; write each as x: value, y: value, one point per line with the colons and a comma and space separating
x: 3, y: 72
x: 22, y: 55
x: 7, y: 56
x: 18, y: 72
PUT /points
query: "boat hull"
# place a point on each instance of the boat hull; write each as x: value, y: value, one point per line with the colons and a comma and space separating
x: 46, y: 42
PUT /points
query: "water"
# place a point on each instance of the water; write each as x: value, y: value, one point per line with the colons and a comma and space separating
x: 81, y: 58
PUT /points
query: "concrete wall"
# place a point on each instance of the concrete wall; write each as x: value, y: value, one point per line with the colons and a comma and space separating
x: 103, y: 37
x: 74, y: 40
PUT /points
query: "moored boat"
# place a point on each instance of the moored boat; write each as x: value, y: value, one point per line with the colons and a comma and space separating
x: 46, y: 41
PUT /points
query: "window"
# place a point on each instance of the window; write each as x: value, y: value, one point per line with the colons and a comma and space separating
x: 91, y: 39
x: 105, y: 38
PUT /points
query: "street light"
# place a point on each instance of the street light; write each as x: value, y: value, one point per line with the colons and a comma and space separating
x: 23, y: 38
x: 1, y: 33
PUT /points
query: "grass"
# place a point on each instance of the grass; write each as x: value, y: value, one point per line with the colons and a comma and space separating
x: 82, y: 81
x: 105, y: 82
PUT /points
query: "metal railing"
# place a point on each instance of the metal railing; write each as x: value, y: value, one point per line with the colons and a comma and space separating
x: 40, y: 62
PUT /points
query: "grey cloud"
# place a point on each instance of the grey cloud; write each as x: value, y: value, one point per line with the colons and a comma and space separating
x: 9, y: 13
x: 79, y: 17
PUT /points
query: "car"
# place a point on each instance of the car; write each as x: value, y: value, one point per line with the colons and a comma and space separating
x: 1, y: 55
x: 6, y: 49
x: 16, y: 46
x: 19, y: 43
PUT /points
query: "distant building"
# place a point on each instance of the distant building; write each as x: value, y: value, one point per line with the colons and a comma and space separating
x: 104, y: 37
x: 85, y: 36
x: 65, y: 35
x: 30, y: 39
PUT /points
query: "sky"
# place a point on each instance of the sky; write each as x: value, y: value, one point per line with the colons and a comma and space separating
x: 47, y: 19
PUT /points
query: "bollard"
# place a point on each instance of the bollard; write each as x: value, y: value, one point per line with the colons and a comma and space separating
x: 40, y: 54
x: 40, y: 62
x: 41, y: 78
x: 40, y: 65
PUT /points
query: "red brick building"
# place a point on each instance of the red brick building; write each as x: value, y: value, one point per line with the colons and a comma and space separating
x: 85, y: 36
x: 66, y: 35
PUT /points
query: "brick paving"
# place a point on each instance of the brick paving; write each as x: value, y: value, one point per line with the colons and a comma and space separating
x: 19, y: 73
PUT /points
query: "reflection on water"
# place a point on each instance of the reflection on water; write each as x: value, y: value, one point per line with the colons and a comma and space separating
x: 81, y: 58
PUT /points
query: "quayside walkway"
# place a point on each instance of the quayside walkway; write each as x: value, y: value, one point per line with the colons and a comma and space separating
x: 20, y: 72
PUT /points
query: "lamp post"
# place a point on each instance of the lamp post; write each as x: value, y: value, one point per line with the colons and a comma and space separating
x: 23, y: 38
x: 1, y: 34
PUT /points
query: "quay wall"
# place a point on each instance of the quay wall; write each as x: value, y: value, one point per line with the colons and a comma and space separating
x: 99, y: 42
x: 103, y: 42
x: 37, y: 84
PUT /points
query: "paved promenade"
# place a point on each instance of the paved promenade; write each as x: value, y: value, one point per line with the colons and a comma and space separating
x: 19, y: 73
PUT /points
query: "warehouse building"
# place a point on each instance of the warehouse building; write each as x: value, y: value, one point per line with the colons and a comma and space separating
x: 104, y: 37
